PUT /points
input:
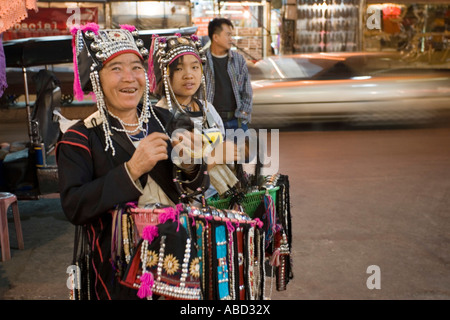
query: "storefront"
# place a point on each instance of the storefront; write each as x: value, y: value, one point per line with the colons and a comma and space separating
x: 264, y: 27
x: 326, y: 26
x: 254, y: 36
x: 251, y: 20
x: 147, y: 15
x: 54, y: 18
x: 419, y: 29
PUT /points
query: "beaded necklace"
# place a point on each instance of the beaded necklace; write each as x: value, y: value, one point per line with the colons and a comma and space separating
x: 187, y: 107
x: 139, y: 125
x: 140, y: 135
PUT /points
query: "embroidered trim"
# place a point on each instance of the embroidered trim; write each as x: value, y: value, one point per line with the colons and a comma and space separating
x: 77, y: 132
x: 222, y: 264
x: 171, y: 264
x: 76, y: 144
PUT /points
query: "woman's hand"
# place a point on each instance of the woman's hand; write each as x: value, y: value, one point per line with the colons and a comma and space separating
x: 150, y: 150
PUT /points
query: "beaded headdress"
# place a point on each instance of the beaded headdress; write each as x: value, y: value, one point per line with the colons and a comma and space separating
x: 165, y: 50
x: 92, y: 49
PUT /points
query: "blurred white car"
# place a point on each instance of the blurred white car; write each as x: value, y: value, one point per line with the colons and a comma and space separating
x: 353, y: 88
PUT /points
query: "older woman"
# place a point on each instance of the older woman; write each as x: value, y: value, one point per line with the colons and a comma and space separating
x: 116, y: 155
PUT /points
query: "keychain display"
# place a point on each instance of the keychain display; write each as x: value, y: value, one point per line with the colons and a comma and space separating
x: 269, y: 203
x: 190, y: 253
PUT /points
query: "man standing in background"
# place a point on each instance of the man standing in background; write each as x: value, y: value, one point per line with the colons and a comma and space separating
x: 227, y: 79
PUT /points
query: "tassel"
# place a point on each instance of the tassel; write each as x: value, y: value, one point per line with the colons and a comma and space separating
x: 77, y: 90
x: 208, y: 218
x: 150, y: 233
x: 230, y: 230
x: 179, y: 207
x: 145, y: 290
x: 230, y: 226
x: 131, y: 204
x: 275, y: 259
x: 259, y: 223
x: 151, y: 68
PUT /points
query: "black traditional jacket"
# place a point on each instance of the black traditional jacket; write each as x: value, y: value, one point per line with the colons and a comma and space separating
x: 92, y: 182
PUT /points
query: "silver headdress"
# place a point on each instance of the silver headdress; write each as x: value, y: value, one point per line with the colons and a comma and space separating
x: 165, y: 50
x: 92, y: 49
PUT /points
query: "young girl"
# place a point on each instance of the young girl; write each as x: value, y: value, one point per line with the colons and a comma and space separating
x: 179, y: 83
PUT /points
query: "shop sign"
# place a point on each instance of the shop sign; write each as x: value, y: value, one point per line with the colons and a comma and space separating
x: 202, y: 25
x: 50, y: 22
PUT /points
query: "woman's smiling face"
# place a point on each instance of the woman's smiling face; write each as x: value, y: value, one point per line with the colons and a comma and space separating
x: 123, y: 82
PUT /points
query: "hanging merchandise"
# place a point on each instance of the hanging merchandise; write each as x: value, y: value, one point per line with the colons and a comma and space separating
x: 271, y: 205
x: 328, y: 26
x: 392, y: 19
x: 276, y: 217
x: 189, y: 253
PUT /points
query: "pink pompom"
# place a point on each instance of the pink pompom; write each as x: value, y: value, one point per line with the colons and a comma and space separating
x: 74, y: 29
x: 259, y: 223
x: 149, y: 233
x: 168, y: 213
x: 145, y: 290
x: 131, y: 204
x: 91, y: 26
x: 128, y: 27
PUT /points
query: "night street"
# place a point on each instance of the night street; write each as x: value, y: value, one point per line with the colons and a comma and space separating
x: 360, y: 198
x: 351, y: 96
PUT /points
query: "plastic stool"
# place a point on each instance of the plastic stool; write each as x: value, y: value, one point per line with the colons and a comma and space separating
x: 7, y: 199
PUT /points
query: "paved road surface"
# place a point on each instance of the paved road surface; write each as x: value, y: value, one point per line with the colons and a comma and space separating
x: 359, y: 198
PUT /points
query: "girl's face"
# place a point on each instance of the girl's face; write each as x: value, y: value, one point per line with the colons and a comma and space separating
x: 123, y: 83
x: 185, y: 77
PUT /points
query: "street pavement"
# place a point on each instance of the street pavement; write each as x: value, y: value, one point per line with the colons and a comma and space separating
x: 370, y: 214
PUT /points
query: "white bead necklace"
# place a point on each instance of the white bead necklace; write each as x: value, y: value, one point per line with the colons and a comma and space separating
x: 138, y: 125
